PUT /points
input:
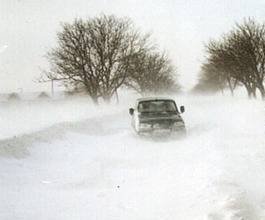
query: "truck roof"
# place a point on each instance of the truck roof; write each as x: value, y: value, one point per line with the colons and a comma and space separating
x: 153, y: 99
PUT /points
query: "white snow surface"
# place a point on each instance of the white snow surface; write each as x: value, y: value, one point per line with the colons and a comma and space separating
x: 69, y: 160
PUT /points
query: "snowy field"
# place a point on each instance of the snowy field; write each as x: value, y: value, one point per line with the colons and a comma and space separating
x: 69, y: 160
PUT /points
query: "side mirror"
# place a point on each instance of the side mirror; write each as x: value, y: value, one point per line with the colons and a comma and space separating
x: 182, y: 109
x: 131, y: 111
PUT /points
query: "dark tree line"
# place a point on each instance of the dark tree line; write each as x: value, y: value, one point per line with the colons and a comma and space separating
x: 236, y: 59
x: 101, y: 54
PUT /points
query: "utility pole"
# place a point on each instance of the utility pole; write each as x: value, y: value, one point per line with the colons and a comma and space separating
x: 52, y: 87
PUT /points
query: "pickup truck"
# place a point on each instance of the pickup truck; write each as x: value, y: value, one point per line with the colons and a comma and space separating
x: 157, y: 114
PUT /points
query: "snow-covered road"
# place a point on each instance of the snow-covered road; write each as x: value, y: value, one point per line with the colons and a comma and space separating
x: 89, y: 164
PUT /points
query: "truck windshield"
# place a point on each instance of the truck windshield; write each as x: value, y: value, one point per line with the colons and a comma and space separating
x: 157, y: 106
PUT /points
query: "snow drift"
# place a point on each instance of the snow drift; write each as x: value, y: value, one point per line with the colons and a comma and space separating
x: 72, y: 160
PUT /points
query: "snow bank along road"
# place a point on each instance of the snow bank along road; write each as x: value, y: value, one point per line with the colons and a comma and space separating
x: 75, y: 161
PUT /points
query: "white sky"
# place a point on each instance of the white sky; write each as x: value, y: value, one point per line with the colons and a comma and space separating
x: 28, y: 30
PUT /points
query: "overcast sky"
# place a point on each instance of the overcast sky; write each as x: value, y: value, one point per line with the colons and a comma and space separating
x: 180, y: 27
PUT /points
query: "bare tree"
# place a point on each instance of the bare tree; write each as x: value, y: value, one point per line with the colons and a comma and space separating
x: 152, y: 72
x: 220, y: 69
x: 95, y: 54
x: 211, y: 80
x: 251, y: 35
x: 239, y: 57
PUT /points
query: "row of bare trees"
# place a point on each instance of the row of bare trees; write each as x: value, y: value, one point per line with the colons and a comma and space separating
x: 101, y: 54
x: 236, y: 59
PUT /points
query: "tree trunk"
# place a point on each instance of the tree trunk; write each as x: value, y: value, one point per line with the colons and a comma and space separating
x: 262, y: 91
x: 249, y: 94
x: 222, y: 91
x: 254, y: 94
x: 117, y: 97
x: 230, y: 87
x: 107, y: 98
x: 232, y: 92
x: 95, y: 100
x: 248, y: 91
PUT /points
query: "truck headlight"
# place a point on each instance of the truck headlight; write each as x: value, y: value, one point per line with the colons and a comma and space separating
x: 145, y: 126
